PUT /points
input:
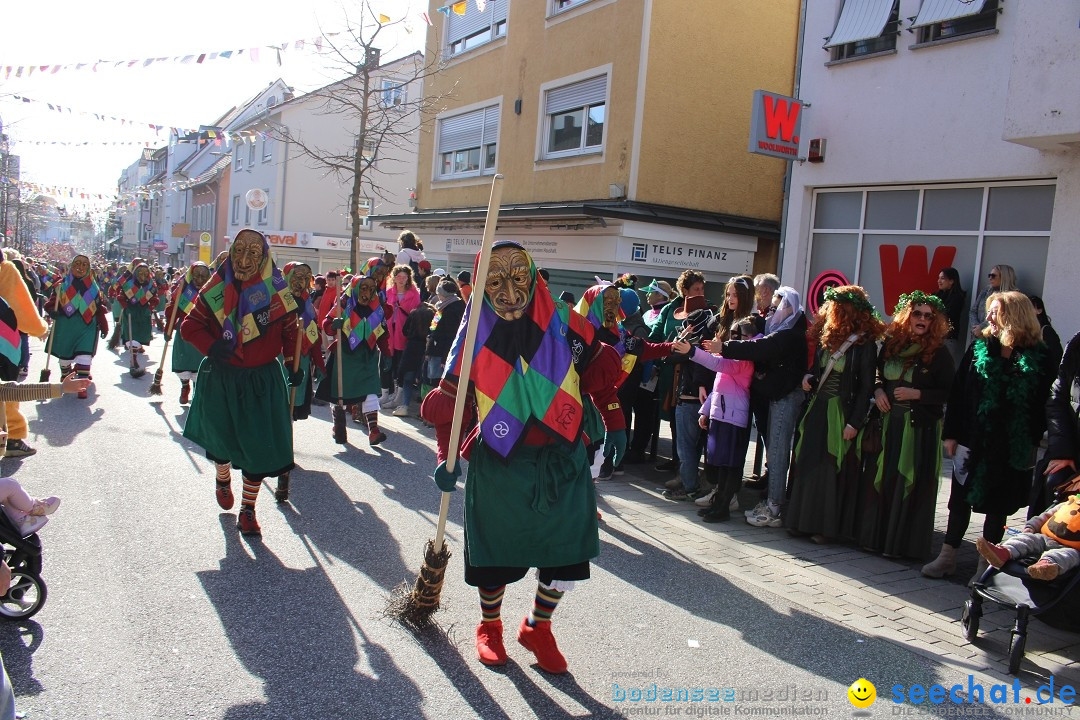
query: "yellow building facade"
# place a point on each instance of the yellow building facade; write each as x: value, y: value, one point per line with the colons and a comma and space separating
x: 621, y: 129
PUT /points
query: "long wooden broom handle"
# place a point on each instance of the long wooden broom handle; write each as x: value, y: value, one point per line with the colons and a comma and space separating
x: 296, y: 359
x: 52, y: 329
x: 170, y: 327
x: 340, y: 386
x: 479, y: 283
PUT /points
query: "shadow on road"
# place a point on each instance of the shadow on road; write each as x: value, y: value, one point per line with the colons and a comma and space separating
x: 18, y: 642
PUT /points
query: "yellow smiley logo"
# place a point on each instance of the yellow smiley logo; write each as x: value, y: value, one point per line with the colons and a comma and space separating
x: 862, y: 693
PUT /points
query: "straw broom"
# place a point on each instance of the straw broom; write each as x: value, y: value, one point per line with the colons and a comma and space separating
x: 413, y: 606
x: 155, y: 387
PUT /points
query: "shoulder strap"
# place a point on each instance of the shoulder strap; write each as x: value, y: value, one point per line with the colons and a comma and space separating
x: 837, y: 355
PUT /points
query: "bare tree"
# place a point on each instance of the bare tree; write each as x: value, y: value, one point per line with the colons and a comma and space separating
x: 384, y: 115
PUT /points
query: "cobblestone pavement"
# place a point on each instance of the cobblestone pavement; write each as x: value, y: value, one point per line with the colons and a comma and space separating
x: 880, y: 597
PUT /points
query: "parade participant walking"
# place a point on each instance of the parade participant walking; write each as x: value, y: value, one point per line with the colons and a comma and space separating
x: 299, y: 277
x: 529, y: 494
x: 359, y: 320
x: 914, y: 373
x: 185, y: 357
x: 242, y: 321
x: 138, y: 299
x: 402, y: 297
x: 824, y: 497
x: 79, y: 316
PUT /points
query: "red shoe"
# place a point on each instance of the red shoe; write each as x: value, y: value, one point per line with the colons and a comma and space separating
x: 247, y: 523
x: 539, y: 640
x: 489, y: 643
x: 996, y: 555
x: 225, y: 497
x: 185, y: 393
x: 83, y: 395
x: 376, y: 437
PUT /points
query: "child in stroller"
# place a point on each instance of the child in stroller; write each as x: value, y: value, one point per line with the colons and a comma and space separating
x: 1054, y: 536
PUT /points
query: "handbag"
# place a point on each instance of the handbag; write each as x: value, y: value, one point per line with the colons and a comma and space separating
x: 872, y: 432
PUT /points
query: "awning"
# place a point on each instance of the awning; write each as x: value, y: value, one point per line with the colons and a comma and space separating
x: 861, y: 20
x: 935, y: 11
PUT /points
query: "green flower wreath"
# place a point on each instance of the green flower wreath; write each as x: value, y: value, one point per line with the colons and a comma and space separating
x: 918, y: 297
x: 852, y: 297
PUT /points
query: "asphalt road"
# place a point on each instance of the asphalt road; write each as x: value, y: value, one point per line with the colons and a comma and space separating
x: 158, y: 608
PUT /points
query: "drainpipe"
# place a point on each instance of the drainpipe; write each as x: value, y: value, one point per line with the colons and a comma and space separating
x: 791, y: 164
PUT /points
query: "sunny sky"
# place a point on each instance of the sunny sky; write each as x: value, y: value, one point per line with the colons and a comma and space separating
x: 169, y: 93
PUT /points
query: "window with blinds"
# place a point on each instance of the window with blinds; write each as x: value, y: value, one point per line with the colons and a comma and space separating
x: 475, y: 27
x: 574, y: 118
x: 468, y: 143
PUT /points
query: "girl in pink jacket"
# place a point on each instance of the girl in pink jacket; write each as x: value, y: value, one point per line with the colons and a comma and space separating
x: 402, y: 297
x: 725, y: 414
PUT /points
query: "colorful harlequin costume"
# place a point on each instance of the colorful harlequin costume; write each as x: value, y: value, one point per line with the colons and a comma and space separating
x: 79, y: 316
x: 242, y: 321
x: 360, y: 316
x: 138, y: 299
x: 185, y: 357
x: 529, y: 496
x: 311, y: 353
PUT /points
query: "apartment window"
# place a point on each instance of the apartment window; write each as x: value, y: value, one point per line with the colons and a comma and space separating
x: 945, y: 19
x: 365, y: 213
x: 865, y: 27
x: 393, y: 93
x: 238, y: 160
x: 557, y: 6
x: 574, y: 118
x: 368, y: 152
x: 235, y: 209
x: 475, y: 28
x: 251, y: 152
x: 268, y: 149
x: 468, y: 143
x: 265, y: 212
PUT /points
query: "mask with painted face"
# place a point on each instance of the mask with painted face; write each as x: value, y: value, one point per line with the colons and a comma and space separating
x: 142, y: 275
x: 300, y: 280
x: 612, y: 298
x: 509, y: 282
x: 200, y: 274
x: 246, y: 254
x: 365, y: 291
x: 80, y: 267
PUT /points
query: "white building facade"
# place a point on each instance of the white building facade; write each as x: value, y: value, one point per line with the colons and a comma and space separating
x: 951, y: 136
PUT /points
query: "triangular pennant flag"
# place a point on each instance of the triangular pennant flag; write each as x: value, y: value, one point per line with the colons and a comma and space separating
x: 384, y: 18
x: 445, y: 10
x: 480, y: 5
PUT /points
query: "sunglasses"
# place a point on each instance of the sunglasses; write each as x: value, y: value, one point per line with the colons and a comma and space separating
x: 992, y: 275
x: 922, y: 315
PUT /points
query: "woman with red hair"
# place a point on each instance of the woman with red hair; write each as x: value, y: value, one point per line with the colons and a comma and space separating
x: 826, y: 468
x: 914, y: 373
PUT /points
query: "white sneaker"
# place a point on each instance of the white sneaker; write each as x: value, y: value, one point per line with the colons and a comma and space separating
x: 401, y: 411
x: 767, y: 518
x: 705, y: 500
x: 758, y: 509
x: 733, y: 506
x: 385, y: 398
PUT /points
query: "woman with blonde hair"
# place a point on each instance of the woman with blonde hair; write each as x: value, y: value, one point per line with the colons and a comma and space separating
x: 826, y: 471
x: 993, y: 421
x: 1001, y: 278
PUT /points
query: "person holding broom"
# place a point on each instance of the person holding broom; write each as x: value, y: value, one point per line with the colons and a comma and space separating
x: 529, y: 494
x: 242, y: 320
x: 185, y: 357
x: 358, y: 319
x: 138, y: 300
x: 79, y: 315
x: 299, y: 278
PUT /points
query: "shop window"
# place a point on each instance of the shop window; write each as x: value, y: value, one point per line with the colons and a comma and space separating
x: 952, y: 209
x: 1022, y: 208
x: 892, y: 209
x: 838, y: 210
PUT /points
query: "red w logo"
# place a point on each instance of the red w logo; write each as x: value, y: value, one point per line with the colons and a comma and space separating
x: 914, y: 273
x: 781, y: 118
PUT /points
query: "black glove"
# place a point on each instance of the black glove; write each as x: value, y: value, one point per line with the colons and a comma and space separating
x: 296, y: 379
x: 220, y: 350
x: 338, y: 323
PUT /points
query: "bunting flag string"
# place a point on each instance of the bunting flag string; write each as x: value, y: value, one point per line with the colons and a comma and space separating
x: 56, y: 107
x: 84, y: 143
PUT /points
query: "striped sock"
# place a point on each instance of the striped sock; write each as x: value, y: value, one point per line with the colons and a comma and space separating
x: 491, y: 602
x: 224, y: 471
x: 251, y: 491
x: 544, y: 605
x: 82, y: 371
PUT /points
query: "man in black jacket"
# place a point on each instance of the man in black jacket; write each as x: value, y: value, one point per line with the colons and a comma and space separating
x: 1058, y: 466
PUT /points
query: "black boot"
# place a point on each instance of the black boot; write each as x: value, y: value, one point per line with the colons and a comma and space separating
x: 720, y: 510
x: 281, y: 494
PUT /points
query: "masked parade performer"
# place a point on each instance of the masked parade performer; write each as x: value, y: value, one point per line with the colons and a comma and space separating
x: 529, y: 496
x: 300, y: 280
x: 361, y: 320
x: 138, y: 299
x: 79, y: 313
x: 242, y: 321
x: 115, y: 280
x: 185, y: 357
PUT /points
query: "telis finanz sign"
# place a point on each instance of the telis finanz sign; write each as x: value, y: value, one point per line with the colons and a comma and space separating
x: 775, y: 125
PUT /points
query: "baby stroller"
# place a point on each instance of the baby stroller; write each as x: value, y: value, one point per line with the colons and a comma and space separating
x: 27, y: 592
x: 1054, y: 602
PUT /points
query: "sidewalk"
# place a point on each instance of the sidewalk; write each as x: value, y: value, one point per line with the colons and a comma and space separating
x: 879, y: 597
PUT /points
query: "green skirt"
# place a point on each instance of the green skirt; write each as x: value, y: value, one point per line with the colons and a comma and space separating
x: 359, y: 376
x: 137, y: 319
x: 73, y: 337
x: 185, y: 357
x: 241, y: 415
x: 538, y: 510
